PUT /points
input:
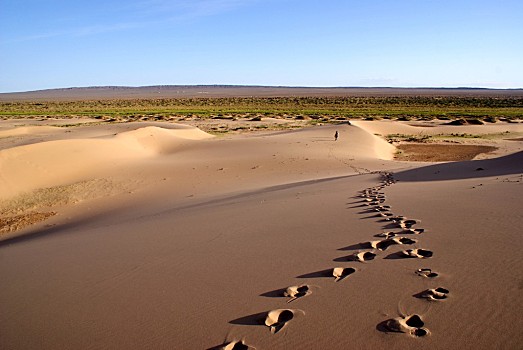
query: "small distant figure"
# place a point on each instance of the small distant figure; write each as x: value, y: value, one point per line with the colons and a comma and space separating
x: 336, y: 135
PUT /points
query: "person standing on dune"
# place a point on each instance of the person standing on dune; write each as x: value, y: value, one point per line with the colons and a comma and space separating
x: 336, y: 135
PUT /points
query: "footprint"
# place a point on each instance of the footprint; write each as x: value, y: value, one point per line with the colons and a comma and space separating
x: 374, y: 203
x: 384, y: 244
x: 396, y: 219
x: 388, y: 234
x: 382, y: 208
x: 341, y: 272
x: 435, y: 294
x: 417, y: 253
x: 413, y: 231
x: 236, y: 345
x: 404, y: 240
x: 426, y: 273
x: 361, y: 256
x: 295, y: 292
x: 277, y: 319
x: 411, y: 324
x: 387, y: 179
x: 407, y: 224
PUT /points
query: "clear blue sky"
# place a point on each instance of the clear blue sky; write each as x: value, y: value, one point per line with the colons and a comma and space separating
x: 440, y: 43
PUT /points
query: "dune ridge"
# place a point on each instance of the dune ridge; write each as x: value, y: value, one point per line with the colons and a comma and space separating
x: 64, y: 162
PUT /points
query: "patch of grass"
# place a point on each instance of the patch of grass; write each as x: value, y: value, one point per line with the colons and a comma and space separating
x: 407, y: 138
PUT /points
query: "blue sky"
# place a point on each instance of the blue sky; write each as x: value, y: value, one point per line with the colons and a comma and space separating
x: 441, y: 43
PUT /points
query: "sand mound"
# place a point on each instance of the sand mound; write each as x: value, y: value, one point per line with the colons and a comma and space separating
x: 61, y: 162
x: 158, y: 140
x: 370, y: 145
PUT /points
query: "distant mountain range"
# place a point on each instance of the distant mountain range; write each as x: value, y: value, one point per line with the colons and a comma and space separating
x: 194, y: 91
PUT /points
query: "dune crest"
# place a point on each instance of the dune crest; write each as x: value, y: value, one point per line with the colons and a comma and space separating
x: 372, y: 145
x: 158, y: 140
x: 63, y: 162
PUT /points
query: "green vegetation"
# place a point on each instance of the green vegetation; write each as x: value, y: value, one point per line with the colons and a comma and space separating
x: 322, y: 109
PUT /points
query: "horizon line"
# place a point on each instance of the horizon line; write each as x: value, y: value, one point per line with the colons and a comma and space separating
x: 258, y: 86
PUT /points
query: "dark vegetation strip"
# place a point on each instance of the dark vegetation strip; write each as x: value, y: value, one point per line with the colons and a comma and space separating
x: 406, y: 106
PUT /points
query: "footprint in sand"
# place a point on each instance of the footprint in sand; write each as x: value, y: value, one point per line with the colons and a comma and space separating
x: 296, y: 292
x: 413, y: 231
x: 426, y: 273
x: 404, y: 240
x: 417, y: 253
x: 277, y: 319
x: 340, y: 273
x: 381, y: 208
x: 236, y: 345
x: 407, y: 224
x: 396, y: 219
x: 375, y: 202
x: 384, y: 244
x: 411, y: 324
x: 436, y: 294
x: 361, y: 256
x: 386, y: 235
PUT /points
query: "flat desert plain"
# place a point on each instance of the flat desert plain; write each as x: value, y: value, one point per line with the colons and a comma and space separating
x: 161, y: 236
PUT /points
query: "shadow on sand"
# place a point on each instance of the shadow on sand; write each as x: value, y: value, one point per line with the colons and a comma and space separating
x: 506, y: 165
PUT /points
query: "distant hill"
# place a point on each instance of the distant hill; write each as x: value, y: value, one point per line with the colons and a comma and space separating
x: 194, y: 91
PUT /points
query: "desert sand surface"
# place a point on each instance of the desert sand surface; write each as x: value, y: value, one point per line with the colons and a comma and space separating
x: 161, y: 236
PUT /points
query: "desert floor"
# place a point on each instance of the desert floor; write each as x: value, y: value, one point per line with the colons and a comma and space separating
x: 162, y: 236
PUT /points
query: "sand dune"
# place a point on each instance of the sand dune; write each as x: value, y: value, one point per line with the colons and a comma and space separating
x: 157, y: 140
x: 62, y: 162
x: 209, y: 238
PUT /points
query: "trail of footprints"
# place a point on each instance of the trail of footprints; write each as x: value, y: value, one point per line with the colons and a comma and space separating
x: 374, y: 200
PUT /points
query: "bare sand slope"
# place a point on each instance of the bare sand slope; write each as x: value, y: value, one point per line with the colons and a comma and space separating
x: 500, y: 135
x: 385, y: 127
x: 55, y: 163
x: 147, y: 150
x: 203, y: 250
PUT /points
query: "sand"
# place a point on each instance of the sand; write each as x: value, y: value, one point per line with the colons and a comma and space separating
x: 162, y: 236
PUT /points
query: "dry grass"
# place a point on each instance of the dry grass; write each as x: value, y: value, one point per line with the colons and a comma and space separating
x: 35, y: 206
x: 17, y: 222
